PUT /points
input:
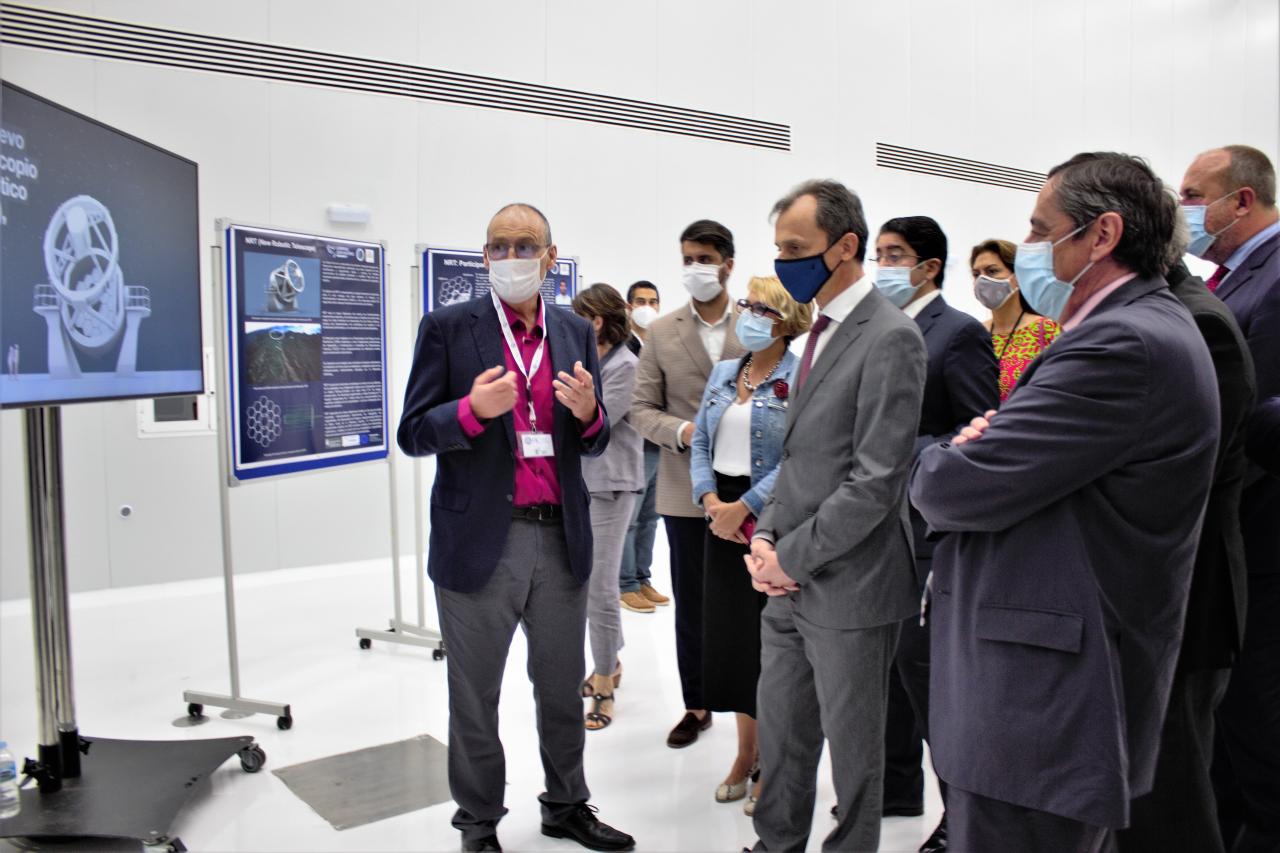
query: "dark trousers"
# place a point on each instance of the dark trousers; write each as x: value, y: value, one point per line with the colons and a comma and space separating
x: 907, y: 725
x: 532, y: 587
x: 686, y: 537
x: 979, y: 824
x: 1246, y: 762
x: 1179, y: 813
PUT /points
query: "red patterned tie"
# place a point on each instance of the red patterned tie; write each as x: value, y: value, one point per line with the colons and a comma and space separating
x: 1216, y: 279
x: 819, y: 326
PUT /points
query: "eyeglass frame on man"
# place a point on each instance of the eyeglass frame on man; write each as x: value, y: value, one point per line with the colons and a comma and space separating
x: 524, y: 251
x: 892, y: 259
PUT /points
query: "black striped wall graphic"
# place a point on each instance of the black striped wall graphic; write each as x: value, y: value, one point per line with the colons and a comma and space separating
x: 946, y: 166
x: 47, y: 29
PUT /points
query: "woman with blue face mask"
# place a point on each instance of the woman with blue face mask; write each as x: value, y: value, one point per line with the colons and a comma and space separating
x: 734, y: 456
x: 1018, y: 333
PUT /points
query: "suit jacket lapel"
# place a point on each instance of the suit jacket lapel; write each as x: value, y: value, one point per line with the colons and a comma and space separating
x: 487, y: 334
x: 844, y: 335
x: 557, y: 332
x: 926, y: 318
x: 1256, y: 259
x: 687, y: 328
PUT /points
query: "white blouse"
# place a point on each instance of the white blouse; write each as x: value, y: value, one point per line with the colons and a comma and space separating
x: 731, y: 455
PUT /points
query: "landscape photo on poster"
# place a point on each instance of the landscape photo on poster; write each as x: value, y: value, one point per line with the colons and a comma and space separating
x: 100, y: 285
x: 282, y: 353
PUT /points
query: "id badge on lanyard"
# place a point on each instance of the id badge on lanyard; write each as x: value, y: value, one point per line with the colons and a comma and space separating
x: 533, y: 443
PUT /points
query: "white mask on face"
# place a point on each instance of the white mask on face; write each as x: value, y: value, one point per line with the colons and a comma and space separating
x: 702, y: 281
x: 516, y: 280
x: 643, y: 316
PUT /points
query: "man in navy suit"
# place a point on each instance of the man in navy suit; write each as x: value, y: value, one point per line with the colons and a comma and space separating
x: 1073, y: 514
x: 504, y: 393
x: 1230, y: 198
x: 960, y: 385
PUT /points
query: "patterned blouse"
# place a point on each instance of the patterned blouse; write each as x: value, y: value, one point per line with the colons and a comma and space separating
x: 1027, y: 343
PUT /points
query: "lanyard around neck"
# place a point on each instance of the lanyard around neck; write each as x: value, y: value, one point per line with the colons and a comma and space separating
x: 535, y: 362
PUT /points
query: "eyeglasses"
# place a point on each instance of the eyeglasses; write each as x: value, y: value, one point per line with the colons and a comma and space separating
x: 893, y: 257
x: 759, y: 309
x: 523, y: 250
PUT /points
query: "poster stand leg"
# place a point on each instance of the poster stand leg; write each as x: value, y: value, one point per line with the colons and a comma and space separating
x: 400, y: 631
x: 234, y: 703
x: 91, y: 787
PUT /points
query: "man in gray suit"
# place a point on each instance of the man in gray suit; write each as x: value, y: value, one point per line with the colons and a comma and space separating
x: 832, y: 547
x: 1072, y: 517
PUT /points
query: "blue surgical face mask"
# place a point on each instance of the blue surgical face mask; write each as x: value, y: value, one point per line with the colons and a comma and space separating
x: 894, y: 283
x: 804, y: 277
x: 755, y: 333
x: 1202, y: 240
x: 1033, y: 265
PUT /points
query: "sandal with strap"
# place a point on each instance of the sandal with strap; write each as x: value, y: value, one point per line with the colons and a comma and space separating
x: 588, y: 691
x: 596, y: 716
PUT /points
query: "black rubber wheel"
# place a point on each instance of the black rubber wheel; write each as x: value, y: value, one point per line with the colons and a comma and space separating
x: 366, y: 643
x: 437, y: 654
x: 252, y: 758
x: 195, y: 709
x: 284, y: 723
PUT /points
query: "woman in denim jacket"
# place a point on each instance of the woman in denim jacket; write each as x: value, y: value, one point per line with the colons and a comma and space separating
x: 737, y: 445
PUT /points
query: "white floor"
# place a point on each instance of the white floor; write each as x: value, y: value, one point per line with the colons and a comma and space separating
x: 136, y: 650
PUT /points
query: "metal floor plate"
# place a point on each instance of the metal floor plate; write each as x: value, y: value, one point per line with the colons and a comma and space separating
x: 368, y: 785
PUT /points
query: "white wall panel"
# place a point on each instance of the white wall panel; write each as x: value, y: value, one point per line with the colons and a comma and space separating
x: 1021, y: 84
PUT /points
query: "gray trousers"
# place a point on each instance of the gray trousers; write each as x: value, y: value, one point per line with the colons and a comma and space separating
x: 531, y: 587
x: 817, y: 682
x: 610, y: 516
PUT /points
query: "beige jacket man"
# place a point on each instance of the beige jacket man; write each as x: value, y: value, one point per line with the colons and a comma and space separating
x: 672, y: 374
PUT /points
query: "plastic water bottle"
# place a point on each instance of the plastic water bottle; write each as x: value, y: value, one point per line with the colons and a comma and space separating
x: 10, y: 804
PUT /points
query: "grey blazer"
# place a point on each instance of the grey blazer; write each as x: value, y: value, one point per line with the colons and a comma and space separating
x: 1058, y: 596
x: 621, y: 467
x: 838, y: 513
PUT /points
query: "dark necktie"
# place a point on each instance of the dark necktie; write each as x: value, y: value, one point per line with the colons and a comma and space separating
x: 819, y: 326
x: 1216, y: 279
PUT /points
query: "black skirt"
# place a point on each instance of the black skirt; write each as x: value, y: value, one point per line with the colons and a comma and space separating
x: 730, y: 617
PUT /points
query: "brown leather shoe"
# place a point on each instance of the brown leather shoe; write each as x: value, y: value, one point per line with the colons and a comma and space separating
x: 636, y: 603
x: 653, y: 595
x: 686, y: 731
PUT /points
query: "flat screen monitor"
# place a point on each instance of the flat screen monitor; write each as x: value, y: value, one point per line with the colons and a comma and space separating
x: 99, y: 260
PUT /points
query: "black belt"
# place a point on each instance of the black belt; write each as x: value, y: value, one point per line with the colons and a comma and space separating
x: 545, y: 513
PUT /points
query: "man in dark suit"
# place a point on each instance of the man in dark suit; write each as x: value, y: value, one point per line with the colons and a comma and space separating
x: 1179, y: 813
x: 960, y: 385
x: 505, y: 393
x: 1074, y: 513
x: 1230, y: 196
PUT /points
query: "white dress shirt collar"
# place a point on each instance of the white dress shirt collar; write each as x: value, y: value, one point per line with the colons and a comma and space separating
x: 913, y: 310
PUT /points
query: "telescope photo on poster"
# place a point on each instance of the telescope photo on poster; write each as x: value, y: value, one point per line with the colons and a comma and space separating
x: 306, y: 350
x: 454, y: 276
x: 100, y: 281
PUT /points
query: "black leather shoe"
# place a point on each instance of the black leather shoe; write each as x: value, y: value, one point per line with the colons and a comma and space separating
x: 686, y: 731
x: 583, y: 827
x: 938, y: 841
x: 487, y: 843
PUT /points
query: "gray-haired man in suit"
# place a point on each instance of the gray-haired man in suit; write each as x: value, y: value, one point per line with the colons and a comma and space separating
x: 832, y: 547
x: 1072, y: 517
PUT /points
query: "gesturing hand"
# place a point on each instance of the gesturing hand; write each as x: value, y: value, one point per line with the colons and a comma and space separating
x: 492, y: 393
x: 577, y: 393
x: 976, y: 428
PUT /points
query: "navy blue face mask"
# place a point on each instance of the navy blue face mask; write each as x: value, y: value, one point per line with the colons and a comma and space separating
x: 804, y: 277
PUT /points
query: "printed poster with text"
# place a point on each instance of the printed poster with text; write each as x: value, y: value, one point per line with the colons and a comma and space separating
x: 453, y: 276
x: 307, y: 343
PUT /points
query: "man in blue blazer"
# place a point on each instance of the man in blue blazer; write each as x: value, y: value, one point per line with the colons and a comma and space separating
x: 504, y: 391
x: 961, y: 383
x: 1230, y: 198
x: 1074, y: 513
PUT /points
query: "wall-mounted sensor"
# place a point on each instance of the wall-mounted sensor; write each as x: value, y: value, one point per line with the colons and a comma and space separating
x: 357, y: 213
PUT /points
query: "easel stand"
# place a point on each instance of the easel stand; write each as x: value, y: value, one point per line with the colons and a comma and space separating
x: 407, y: 633
x: 91, y: 787
x: 196, y: 700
